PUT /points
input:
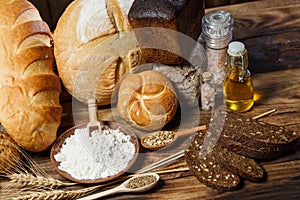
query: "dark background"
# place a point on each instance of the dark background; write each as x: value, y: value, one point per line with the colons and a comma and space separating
x: 51, y: 10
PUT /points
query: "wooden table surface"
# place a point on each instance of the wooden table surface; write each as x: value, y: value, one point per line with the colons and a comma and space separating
x: 270, y: 30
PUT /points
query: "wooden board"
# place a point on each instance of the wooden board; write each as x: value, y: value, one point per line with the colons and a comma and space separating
x: 270, y: 30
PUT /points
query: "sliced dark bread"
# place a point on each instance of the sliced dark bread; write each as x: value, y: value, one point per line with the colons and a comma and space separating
x: 252, y: 133
x: 258, y: 135
x: 246, y: 167
x: 248, y: 151
x: 206, y: 169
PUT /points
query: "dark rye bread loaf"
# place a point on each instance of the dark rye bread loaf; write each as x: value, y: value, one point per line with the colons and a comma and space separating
x: 207, y: 169
x: 180, y: 16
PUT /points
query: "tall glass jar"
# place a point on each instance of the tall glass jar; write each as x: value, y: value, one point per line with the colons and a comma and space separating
x: 217, y: 33
x: 238, y: 86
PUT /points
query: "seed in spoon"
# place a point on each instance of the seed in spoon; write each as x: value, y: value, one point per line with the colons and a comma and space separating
x: 141, y: 181
x: 159, y: 138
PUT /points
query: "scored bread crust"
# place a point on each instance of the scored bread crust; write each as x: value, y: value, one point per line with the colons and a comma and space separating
x: 147, y: 100
x: 94, y: 48
x: 29, y: 89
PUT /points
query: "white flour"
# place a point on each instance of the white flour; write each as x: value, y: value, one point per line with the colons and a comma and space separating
x: 95, y: 157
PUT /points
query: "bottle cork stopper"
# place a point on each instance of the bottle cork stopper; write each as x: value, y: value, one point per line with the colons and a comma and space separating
x: 235, y: 48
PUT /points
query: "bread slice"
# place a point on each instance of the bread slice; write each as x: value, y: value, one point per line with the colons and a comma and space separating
x: 207, y: 169
x: 253, y: 133
x: 246, y: 167
x: 248, y: 151
x: 256, y: 134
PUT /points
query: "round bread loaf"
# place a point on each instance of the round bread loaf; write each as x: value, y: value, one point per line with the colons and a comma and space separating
x: 94, y: 48
x: 9, y: 153
x: 147, y: 100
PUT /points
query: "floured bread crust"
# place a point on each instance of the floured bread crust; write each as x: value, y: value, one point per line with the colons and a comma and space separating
x: 94, y: 48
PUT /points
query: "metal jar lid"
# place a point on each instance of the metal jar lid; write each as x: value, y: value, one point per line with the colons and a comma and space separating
x: 217, y: 28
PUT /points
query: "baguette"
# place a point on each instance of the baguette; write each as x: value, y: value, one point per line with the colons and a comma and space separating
x: 29, y: 89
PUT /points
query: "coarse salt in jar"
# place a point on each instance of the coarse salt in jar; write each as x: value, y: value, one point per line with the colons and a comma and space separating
x: 207, y: 91
x: 217, y: 28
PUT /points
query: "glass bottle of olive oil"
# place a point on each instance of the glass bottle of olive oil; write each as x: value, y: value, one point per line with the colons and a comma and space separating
x: 238, y: 87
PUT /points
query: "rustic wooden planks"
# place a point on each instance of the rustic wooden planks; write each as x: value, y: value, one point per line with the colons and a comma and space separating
x: 270, y: 30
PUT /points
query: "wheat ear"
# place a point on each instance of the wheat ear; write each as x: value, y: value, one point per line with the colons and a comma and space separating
x: 26, y: 179
x: 29, y: 173
x: 55, y: 194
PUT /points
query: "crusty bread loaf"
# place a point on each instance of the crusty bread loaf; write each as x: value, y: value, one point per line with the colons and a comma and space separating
x: 147, y: 100
x: 170, y: 20
x: 29, y: 89
x: 94, y: 48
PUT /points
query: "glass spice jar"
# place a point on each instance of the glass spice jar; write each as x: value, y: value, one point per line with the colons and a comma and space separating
x: 207, y: 91
x: 238, y: 86
x: 217, y: 33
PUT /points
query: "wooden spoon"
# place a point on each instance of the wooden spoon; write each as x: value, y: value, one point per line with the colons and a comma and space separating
x: 159, y: 139
x: 138, y: 186
x: 92, y: 107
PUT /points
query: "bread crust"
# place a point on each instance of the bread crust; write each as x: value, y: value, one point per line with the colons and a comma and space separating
x: 171, y: 20
x: 147, y: 100
x: 29, y: 89
x: 94, y: 48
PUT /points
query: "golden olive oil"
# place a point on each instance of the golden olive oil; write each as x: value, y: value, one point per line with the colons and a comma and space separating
x: 238, y: 87
x: 239, y: 96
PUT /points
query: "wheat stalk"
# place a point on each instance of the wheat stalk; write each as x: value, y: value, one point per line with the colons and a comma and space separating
x: 27, y: 172
x: 26, y: 179
x: 53, y: 194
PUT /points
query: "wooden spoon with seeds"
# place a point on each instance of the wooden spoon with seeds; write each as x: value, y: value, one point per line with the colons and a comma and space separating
x: 137, y: 183
x: 160, y: 139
